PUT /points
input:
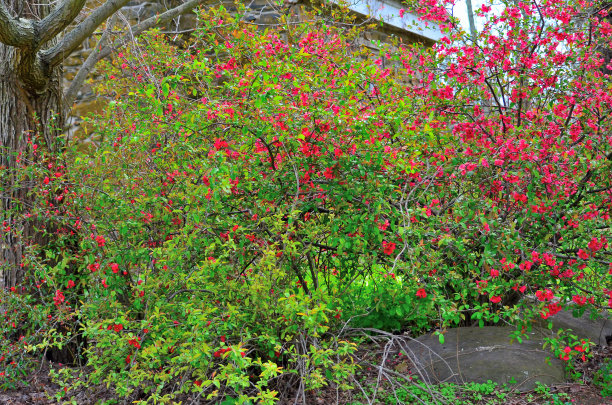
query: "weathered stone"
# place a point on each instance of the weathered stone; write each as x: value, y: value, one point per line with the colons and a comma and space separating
x: 599, y: 331
x: 86, y: 107
x: 482, y: 354
x: 76, y: 60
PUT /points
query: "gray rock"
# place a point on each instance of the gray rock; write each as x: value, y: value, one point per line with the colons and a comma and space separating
x: 482, y: 354
x: 599, y: 331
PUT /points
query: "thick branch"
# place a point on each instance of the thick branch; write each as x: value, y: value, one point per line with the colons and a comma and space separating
x: 102, y: 51
x: 58, y: 19
x: 161, y: 19
x: 33, y: 72
x: 71, y: 41
x: 15, y: 32
x: 87, y: 67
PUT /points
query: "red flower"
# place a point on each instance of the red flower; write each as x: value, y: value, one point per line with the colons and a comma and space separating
x: 596, y: 245
x: 59, y: 297
x: 496, y: 299
x: 421, y: 293
x: 114, y: 267
x: 101, y: 241
x: 567, y: 350
x: 383, y: 226
x: 134, y: 342
x: 220, y: 143
x: 546, y: 295
x: 388, y: 247
x: 554, y: 308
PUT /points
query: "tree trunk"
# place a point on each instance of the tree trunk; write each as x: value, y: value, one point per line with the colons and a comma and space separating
x: 607, y: 52
x: 25, y: 114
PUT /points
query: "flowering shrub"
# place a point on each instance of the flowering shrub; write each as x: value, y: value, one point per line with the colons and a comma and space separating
x: 252, y: 194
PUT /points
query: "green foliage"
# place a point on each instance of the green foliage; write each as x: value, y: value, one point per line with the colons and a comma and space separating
x: 554, y: 398
x: 603, y: 378
x: 251, y: 195
x: 467, y: 394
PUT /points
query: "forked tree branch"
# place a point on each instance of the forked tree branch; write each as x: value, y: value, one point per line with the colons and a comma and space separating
x: 102, y: 50
x: 15, y: 32
x: 58, y: 19
x: 71, y: 41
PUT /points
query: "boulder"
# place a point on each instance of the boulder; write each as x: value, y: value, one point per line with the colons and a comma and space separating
x: 482, y: 354
x: 599, y: 330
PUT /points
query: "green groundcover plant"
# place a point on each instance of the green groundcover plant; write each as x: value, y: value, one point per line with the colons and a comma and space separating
x: 252, y: 194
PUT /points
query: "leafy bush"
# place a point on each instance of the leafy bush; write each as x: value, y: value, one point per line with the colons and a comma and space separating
x: 253, y: 193
x: 603, y: 378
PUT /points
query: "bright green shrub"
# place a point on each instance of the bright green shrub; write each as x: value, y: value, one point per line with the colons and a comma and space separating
x: 252, y: 195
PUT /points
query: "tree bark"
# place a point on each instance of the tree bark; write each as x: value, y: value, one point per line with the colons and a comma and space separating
x: 470, y: 14
x: 33, y: 112
x: 26, y: 108
x: 31, y: 100
x: 607, y: 52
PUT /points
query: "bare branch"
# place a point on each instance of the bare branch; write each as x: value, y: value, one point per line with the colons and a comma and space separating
x: 88, y: 65
x: 15, y: 32
x: 162, y: 18
x: 71, y: 41
x: 58, y: 19
x: 102, y: 51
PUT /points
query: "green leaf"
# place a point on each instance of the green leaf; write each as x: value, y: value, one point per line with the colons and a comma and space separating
x: 165, y: 89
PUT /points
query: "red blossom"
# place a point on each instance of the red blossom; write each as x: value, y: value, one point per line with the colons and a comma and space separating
x: 100, y: 240
x: 388, y: 247
x: 59, y: 298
